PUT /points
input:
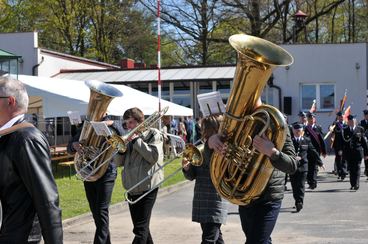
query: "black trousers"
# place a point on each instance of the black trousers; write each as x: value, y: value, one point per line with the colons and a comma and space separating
x: 341, y: 165
x: 258, y: 221
x: 99, y: 197
x: 140, y: 213
x: 211, y: 233
x: 366, y: 167
x: 298, y: 184
x: 354, y: 167
x: 312, y: 174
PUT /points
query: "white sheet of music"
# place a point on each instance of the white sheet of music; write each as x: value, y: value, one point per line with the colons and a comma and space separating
x: 101, y: 128
x: 211, y: 103
x: 74, y: 117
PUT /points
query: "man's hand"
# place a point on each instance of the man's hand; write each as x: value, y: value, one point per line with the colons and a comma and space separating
x: 215, y: 143
x: 264, y: 145
x: 108, y: 122
x: 185, y: 164
x: 134, y: 136
x: 77, y: 146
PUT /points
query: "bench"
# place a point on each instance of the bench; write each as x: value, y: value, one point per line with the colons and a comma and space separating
x: 69, y: 164
x: 62, y: 158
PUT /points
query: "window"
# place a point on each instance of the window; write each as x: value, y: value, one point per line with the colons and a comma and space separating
x: 324, y: 94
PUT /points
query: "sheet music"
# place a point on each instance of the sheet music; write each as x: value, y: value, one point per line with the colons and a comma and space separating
x: 211, y: 103
x: 74, y: 117
x: 101, y: 128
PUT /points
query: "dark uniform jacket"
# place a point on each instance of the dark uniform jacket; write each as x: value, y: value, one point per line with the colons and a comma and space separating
x: 316, y: 136
x: 208, y: 206
x: 355, y: 144
x: 304, y: 149
x: 364, y: 124
x: 27, y: 187
x: 285, y: 163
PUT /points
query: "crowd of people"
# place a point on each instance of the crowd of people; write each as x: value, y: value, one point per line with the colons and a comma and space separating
x: 30, y: 199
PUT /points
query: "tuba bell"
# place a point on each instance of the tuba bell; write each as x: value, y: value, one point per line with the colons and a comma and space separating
x: 95, y: 148
x: 242, y: 174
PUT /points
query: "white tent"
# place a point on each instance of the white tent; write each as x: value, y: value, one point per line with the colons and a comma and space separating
x: 57, y: 96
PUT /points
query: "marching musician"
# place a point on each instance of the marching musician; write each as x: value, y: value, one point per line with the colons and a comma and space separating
x: 304, y: 150
x: 364, y: 124
x: 258, y: 218
x: 99, y: 192
x: 144, y: 155
x: 209, y: 209
x: 337, y: 144
x: 314, y: 132
x: 355, y: 149
x: 27, y: 185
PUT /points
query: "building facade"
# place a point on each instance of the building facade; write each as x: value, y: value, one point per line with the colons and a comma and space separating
x: 321, y: 72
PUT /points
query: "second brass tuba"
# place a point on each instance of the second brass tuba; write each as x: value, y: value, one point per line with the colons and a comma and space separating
x: 242, y: 173
x: 95, y: 148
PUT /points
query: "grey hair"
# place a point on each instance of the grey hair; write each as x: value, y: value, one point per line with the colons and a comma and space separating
x: 15, y: 88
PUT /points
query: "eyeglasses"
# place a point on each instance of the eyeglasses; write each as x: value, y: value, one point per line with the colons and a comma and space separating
x: 4, y: 97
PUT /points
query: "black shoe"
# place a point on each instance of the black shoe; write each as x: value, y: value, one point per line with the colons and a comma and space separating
x: 352, y: 188
x: 298, y: 206
x: 356, y: 188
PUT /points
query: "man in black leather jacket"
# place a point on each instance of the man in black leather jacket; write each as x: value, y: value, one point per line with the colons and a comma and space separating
x: 27, y: 186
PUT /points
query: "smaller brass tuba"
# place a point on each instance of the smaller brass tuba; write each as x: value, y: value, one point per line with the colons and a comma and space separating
x: 95, y: 148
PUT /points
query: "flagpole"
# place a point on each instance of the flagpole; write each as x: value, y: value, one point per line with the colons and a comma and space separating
x: 159, y: 58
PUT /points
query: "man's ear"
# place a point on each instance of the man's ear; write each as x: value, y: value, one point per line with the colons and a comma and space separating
x: 12, y: 101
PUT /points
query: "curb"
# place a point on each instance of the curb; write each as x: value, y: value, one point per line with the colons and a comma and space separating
x: 123, y: 206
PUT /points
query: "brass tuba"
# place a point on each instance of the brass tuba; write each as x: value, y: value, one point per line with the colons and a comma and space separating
x: 242, y: 174
x: 95, y: 148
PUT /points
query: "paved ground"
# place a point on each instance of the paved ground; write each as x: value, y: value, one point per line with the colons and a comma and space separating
x: 332, y: 214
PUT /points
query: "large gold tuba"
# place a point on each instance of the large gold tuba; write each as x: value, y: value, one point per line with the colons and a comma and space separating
x: 242, y: 173
x: 95, y: 148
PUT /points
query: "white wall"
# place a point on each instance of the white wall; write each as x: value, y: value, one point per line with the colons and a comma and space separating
x: 326, y: 63
x: 22, y: 44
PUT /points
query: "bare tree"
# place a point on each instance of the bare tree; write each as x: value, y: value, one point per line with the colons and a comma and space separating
x: 190, y: 23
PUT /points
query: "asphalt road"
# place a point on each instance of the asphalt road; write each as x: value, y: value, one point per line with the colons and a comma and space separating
x: 332, y: 213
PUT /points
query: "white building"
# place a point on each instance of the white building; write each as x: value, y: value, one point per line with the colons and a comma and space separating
x: 42, y: 62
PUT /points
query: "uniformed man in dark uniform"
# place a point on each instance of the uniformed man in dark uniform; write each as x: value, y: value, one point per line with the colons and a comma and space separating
x: 337, y: 144
x: 302, y: 118
x: 364, y: 124
x: 304, y: 150
x: 355, y: 149
x: 315, y: 134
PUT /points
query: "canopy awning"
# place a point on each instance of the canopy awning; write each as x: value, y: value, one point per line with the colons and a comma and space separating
x: 53, y: 97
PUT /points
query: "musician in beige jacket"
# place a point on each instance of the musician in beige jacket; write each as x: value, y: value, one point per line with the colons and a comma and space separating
x: 144, y: 155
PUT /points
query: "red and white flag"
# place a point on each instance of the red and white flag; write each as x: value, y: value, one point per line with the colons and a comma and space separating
x: 346, y: 114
